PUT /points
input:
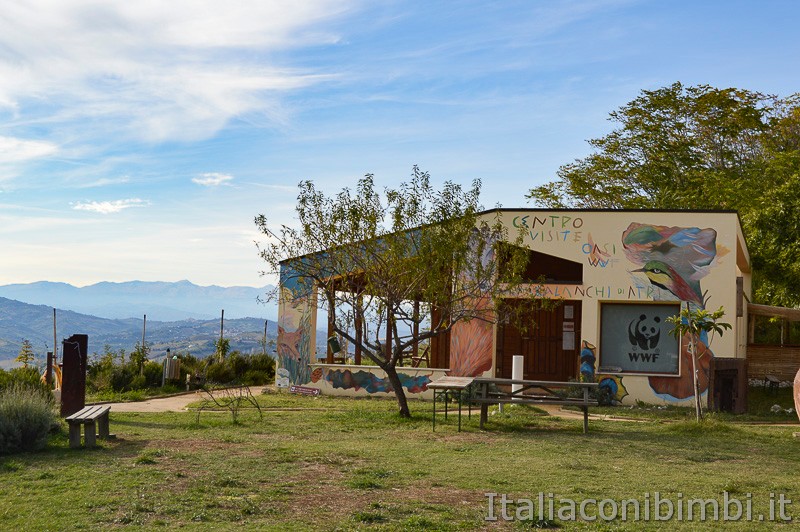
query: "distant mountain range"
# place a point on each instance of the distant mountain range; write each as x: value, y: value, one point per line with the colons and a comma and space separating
x: 20, y: 321
x: 158, y: 300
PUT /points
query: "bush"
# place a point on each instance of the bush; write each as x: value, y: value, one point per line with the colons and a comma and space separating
x: 27, y: 415
x: 220, y: 373
x: 26, y: 376
x: 153, y: 373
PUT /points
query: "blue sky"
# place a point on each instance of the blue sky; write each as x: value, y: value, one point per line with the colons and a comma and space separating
x: 139, y: 139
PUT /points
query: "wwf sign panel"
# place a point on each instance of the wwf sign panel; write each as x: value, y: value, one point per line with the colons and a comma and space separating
x: 636, y: 338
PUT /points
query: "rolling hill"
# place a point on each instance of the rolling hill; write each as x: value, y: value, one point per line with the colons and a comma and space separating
x: 20, y: 321
x: 159, y: 300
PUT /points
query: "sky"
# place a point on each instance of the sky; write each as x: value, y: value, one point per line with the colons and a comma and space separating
x: 138, y: 140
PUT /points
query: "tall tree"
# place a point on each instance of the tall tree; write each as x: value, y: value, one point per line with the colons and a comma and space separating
x: 26, y: 355
x: 386, y: 263
x: 701, y: 147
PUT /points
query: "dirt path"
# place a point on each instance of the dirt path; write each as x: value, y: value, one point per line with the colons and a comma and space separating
x: 175, y: 403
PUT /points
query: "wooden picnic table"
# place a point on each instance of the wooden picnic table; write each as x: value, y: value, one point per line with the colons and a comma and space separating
x: 498, y: 391
x: 447, y: 386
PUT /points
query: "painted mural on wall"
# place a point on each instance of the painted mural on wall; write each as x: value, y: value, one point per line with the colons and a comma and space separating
x: 675, y: 259
x: 471, y: 344
x: 295, y: 332
x: 587, y: 361
x: 364, y: 380
x: 672, y: 258
x: 613, y: 386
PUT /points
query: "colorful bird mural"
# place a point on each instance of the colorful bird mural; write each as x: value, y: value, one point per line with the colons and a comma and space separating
x: 672, y: 258
x: 675, y: 259
x: 664, y: 276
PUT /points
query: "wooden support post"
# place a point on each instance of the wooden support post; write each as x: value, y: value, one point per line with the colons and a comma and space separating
x: 585, y: 410
x: 359, y: 325
x: 74, y: 435
x: 434, y: 410
x: 389, y: 324
x: 415, y: 331
x: 102, y: 427
x: 331, y: 326
x: 484, y: 414
x: 89, y: 437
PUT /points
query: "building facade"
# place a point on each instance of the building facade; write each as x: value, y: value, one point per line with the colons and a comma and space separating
x: 615, y: 277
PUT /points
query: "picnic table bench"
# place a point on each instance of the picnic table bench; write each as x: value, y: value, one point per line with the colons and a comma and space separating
x: 447, y: 387
x: 498, y: 391
x: 93, y: 417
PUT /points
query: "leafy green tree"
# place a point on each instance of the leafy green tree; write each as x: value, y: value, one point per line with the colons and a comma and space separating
x: 701, y: 147
x: 26, y: 355
x: 693, y: 324
x: 139, y: 356
x: 223, y: 345
x: 371, y: 256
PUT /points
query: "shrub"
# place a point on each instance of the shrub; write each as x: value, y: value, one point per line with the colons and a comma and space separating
x: 153, y: 373
x: 220, y: 373
x: 26, y: 376
x: 27, y: 415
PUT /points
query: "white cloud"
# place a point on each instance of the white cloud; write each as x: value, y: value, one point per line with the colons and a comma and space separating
x: 110, y: 207
x: 156, y: 70
x: 212, y: 179
x: 105, y: 181
x: 14, y: 150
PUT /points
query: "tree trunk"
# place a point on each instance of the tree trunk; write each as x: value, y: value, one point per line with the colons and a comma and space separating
x: 394, y: 379
x: 697, y: 407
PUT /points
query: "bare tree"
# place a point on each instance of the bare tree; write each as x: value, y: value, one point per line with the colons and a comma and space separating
x: 397, y: 269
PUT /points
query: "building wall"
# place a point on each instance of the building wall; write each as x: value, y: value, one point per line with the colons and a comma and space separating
x: 358, y: 381
x: 698, y: 249
x: 702, y: 253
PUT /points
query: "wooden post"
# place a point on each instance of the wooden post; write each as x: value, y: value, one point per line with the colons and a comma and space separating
x: 415, y: 332
x: 359, y: 325
x: 331, y: 323
x: 144, y: 328
x: 48, y: 372
x: 74, y: 435
x: 55, y: 345
x: 265, y: 337
x: 783, y: 331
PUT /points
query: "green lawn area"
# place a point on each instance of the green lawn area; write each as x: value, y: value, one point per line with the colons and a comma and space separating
x: 759, y: 404
x: 341, y: 464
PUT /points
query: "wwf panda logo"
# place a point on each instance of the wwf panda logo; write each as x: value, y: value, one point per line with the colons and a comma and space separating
x: 644, y: 332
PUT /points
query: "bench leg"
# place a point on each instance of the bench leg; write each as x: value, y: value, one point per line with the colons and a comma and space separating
x: 102, y: 427
x: 484, y: 413
x: 89, y: 434
x: 74, y: 435
x: 434, y: 411
x: 585, y: 419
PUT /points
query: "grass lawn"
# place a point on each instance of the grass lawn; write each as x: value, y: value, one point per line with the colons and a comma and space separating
x: 341, y: 464
x: 759, y: 404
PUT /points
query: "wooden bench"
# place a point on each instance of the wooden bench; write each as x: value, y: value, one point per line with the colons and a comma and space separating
x: 501, y: 391
x: 89, y: 417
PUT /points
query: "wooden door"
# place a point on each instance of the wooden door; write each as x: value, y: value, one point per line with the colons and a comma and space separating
x: 550, y: 345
